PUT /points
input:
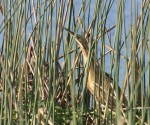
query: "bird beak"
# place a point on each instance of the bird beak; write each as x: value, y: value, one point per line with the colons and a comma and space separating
x: 72, y: 33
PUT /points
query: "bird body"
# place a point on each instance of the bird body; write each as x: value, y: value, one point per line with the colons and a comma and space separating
x: 94, y: 76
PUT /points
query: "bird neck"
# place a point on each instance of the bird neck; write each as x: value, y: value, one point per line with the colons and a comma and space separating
x: 91, y: 70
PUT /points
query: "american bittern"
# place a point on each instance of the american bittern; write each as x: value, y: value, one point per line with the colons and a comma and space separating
x: 94, y: 75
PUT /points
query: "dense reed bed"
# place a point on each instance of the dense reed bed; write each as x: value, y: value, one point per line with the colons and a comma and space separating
x: 43, y: 79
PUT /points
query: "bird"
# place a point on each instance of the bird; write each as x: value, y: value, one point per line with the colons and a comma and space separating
x: 94, y: 82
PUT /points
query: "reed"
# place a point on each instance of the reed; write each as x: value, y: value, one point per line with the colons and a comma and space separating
x: 43, y: 79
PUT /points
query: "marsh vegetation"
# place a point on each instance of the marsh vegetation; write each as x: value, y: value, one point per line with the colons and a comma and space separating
x: 43, y: 77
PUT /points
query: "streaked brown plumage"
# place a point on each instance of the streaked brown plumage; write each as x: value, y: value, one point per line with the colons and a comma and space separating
x: 95, y: 76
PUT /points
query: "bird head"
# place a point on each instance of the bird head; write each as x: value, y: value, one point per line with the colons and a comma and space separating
x: 80, y: 40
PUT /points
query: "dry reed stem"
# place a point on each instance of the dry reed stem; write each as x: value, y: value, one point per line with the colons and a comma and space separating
x: 128, y: 75
x: 74, y: 65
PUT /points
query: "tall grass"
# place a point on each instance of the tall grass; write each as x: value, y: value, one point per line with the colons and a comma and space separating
x: 42, y: 76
